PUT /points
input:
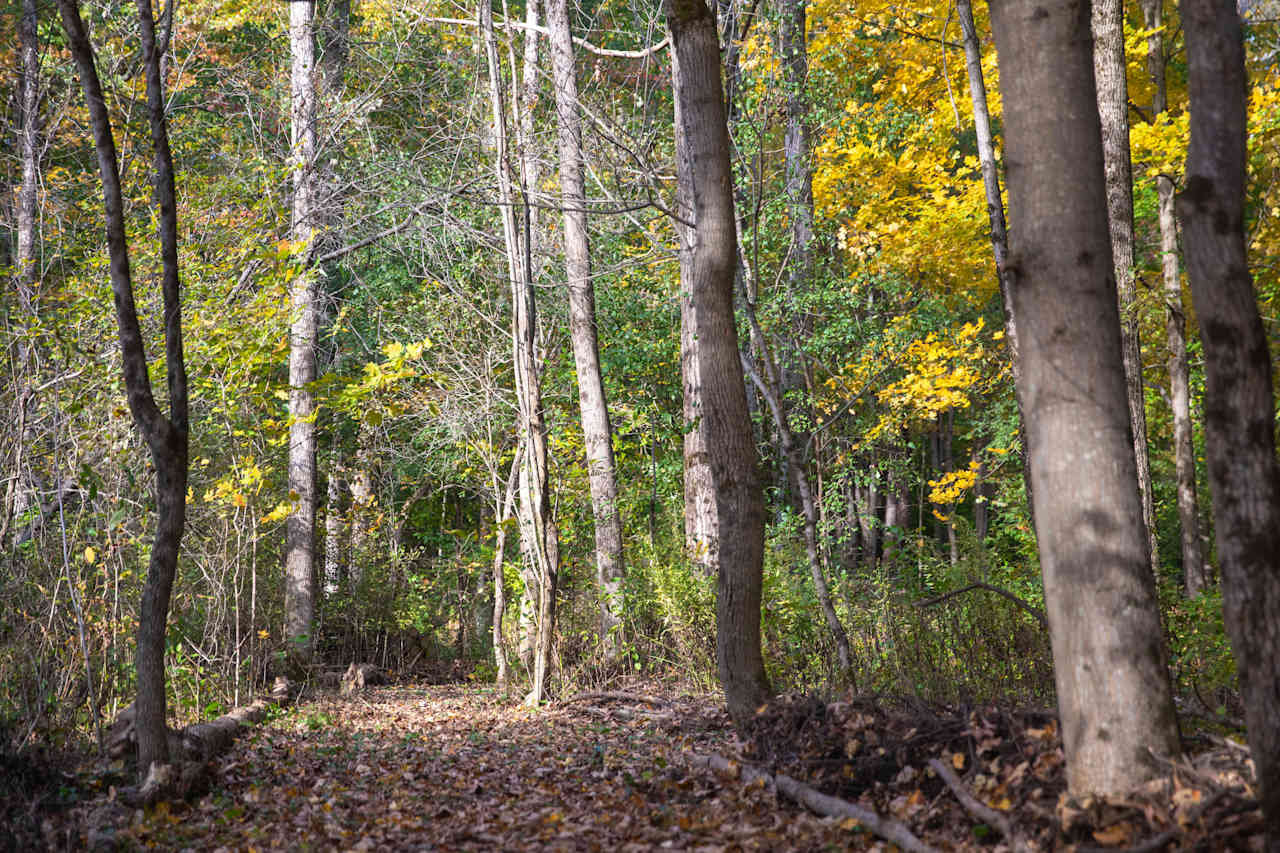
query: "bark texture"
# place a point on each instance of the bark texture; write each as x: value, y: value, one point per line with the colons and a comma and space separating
x: 300, y: 532
x: 165, y: 436
x: 596, y: 429
x: 1239, y: 420
x: 1194, y: 569
x: 538, y: 536
x: 1113, y: 112
x: 732, y: 509
x: 1114, y: 696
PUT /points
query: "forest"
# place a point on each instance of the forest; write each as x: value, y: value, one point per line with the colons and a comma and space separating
x: 844, y: 365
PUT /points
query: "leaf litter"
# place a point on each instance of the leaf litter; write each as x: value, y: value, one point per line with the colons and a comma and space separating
x: 461, y: 767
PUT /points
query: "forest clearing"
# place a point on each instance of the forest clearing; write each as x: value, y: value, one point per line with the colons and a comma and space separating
x: 790, y: 424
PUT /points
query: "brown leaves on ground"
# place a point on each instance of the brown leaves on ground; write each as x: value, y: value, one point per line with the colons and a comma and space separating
x: 459, y: 768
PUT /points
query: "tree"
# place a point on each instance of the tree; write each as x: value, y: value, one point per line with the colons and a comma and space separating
x: 596, y: 429
x: 26, y: 267
x: 1239, y: 405
x: 167, y: 437
x: 304, y: 297
x: 731, y: 512
x: 1193, y: 564
x: 1114, y: 695
x: 538, y: 536
x: 1113, y: 112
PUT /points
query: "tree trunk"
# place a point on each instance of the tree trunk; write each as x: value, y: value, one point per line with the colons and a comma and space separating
x: 538, y: 535
x: 1113, y: 112
x: 299, y: 558
x: 995, y: 215
x: 1194, y: 569
x: 769, y: 390
x: 596, y: 429
x: 26, y: 266
x: 336, y: 528
x: 1114, y: 696
x: 166, y: 436
x: 503, y: 503
x: 734, y: 508
x: 1239, y: 418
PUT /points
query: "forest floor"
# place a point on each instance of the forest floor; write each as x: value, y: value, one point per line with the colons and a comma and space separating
x: 462, y: 767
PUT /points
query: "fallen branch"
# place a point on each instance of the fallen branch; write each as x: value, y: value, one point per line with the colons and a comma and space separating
x: 1035, y: 613
x: 202, y: 741
x: 617, y: 696
x: 974, y: 806
x: 888, y: 828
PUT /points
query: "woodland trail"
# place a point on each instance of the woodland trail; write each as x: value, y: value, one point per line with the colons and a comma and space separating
x: 462, y: 767
x: 454, y: 768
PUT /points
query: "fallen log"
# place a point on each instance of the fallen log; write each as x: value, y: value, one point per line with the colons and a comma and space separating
x: 202, y: 741
x: 888, y: 828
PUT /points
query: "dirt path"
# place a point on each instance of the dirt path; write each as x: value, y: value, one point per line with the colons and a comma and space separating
x: 451, y: 768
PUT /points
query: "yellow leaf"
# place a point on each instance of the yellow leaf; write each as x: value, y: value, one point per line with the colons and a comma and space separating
x: 90, y: 555
x: 957, y: 760
x: 263, y: 635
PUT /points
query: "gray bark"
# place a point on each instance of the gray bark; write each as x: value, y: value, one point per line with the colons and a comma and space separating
x: 300, y: 534
x: 1114, y: 695
x: 165, y: 436
x: 538, y: 535
x: 1239, y: 404
x: 596, y: 429
x: 734, y: 506
x: 1113, y: 112
x: 1194, y: 568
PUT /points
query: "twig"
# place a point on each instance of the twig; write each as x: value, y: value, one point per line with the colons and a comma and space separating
x: 938, y: 599
x: 973, y: 805
x: 887, y: 828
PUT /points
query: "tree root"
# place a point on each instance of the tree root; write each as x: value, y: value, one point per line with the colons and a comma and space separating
x: 887, y: 828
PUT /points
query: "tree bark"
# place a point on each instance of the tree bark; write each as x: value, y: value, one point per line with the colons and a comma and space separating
x: 1239, y: 418
x: 995, y: 215
x: 538, y: 535
x: 1113, y: 112
x: 165, y: 436
x: 1114, y: 695
x: 596, y: 430
x: 300, y: 534
x: 1194, y: 569
x: 336, y: 528
x: 733, y: 509
x: 26, y: 265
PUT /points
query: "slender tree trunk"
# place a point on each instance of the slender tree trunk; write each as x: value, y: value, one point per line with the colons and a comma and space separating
x: 504, y: 503
x: 1194, y: 568
x: 1113, y: 112
x: 596, y: 429
x: 26, y: 263
x: 300, y: 534
x: 537, y: 529
x: 336, y: 528
x: 995, y: 215
x: 735, y: 506
x: 808, y: 506
x: 1239, y: 405
x: 166, y: 436
x: 1114, y: 695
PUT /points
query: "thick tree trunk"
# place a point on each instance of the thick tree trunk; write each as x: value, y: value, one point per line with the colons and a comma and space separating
x: 596, y: 429
x: 300, y: 534
x: 166, y: 436
x: 1114, y: 696
x: 1113, y: 112
x: 1239, y: 418
x: 734, y: 507
x: 1194, y: 568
